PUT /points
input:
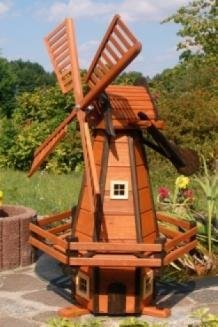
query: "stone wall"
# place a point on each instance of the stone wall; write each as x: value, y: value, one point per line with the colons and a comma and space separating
x: 14, y: 233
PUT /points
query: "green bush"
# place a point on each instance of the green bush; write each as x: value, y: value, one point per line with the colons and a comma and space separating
x: 37, y: 114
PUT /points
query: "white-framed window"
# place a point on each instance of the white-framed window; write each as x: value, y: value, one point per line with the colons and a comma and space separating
x: 82, y: 285
x: 148, y: 284
x: 119, y: 189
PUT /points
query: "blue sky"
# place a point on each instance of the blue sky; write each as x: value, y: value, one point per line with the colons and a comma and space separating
x: 24, y: 23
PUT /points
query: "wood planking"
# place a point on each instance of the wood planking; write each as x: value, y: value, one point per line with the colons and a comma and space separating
x: 148, y: 224
x: 127, y: 101
x: 108, y: 276
x: 119, y: 217
x: 120, y: 227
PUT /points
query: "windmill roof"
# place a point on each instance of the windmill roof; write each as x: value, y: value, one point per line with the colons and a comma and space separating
x: 126, y: 102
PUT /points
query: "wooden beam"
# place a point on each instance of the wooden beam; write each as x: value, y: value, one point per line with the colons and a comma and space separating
x: 53, y: 218
x: 115, y: 247
x: 179, y: 252
x: 181, y: 238
x: 60, y: 228
x: 174, y: 221
x: 49, y: 250
x: 115, y: 261
x: 169, y: 232
x: 47, y: 235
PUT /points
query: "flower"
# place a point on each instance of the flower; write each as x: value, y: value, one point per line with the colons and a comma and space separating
x: 163, y: 193
x: 188, y: 194
x: 182, y: 182
x: 1, y: 198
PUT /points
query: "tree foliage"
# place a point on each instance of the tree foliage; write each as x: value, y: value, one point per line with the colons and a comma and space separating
x: 198, y: 30
x: 17, y: 77
x: 187, y: 101
x: 30, y: 75
x: 31, y: 106
x: 7, y: 88
x: 35, y: 117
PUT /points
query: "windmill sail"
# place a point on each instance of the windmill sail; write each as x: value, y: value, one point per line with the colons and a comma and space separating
x: 117, y: 49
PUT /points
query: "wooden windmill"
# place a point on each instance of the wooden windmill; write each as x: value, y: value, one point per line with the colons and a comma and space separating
x: 114, y: 240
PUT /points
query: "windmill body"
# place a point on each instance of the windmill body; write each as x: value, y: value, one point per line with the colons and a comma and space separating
x: 114, y: 240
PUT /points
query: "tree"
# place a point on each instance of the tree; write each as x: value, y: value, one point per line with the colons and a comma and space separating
x: 30, y: 75
x: 7, y: 88
x: 17, y: 77
x: 130, y: 78
x: 37, y: 114
x: 187, y: 100
x: 199, y: 29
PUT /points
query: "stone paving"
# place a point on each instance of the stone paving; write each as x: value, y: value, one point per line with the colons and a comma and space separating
x: 30, y: 296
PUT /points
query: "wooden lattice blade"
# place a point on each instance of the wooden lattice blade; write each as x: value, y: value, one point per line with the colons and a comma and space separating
x: 62, y: 50
x: 65, y: 58
x: 117, y: 49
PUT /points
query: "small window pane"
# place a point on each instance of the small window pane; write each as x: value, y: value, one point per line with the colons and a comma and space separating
x: 119, y: 190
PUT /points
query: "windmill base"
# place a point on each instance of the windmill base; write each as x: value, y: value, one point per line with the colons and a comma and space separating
x: 72, y: 311
x: 77, y: 311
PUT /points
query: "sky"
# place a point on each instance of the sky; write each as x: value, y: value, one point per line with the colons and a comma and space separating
x: 24, y: 24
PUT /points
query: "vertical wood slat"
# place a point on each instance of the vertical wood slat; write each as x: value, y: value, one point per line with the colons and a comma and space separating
x: 80, y: 117
x: 102, y: 181
x: 91, y: 159
x: 77, y: 85
x: 135, y: 190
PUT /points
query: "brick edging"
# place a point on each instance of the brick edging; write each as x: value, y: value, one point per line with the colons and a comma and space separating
x: 14, y: 233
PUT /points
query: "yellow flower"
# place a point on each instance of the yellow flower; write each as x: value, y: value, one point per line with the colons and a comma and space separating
x: 182, y: 182
x: 1, y: 198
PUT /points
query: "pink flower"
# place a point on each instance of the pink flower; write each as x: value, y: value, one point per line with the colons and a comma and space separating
x: 188, y: 194
x: 163, y: 192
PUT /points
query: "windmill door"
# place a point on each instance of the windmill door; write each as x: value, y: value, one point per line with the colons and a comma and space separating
x: 116, y: 299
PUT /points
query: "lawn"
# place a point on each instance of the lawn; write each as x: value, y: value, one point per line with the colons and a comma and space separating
x: 46, y: 193
x: 49, y: 193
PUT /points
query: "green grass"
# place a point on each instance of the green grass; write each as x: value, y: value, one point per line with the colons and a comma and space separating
x: 46, y: 193
x: 49, y: 193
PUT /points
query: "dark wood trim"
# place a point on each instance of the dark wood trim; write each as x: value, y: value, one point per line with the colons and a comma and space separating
x: 135, y: 188
x: 96, y: 289
x: 149, y: 182
x: 138, y: 295
x: 102, y: 180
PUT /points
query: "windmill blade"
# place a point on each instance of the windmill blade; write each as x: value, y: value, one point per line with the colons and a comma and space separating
x: 185, y: 160
x: 90, y: 169
x: 61, y: 46
x: 117, y: 49
x: 67, y: 60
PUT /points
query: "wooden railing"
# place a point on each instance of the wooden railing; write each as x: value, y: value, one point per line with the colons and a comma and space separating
x: 53, y: 240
